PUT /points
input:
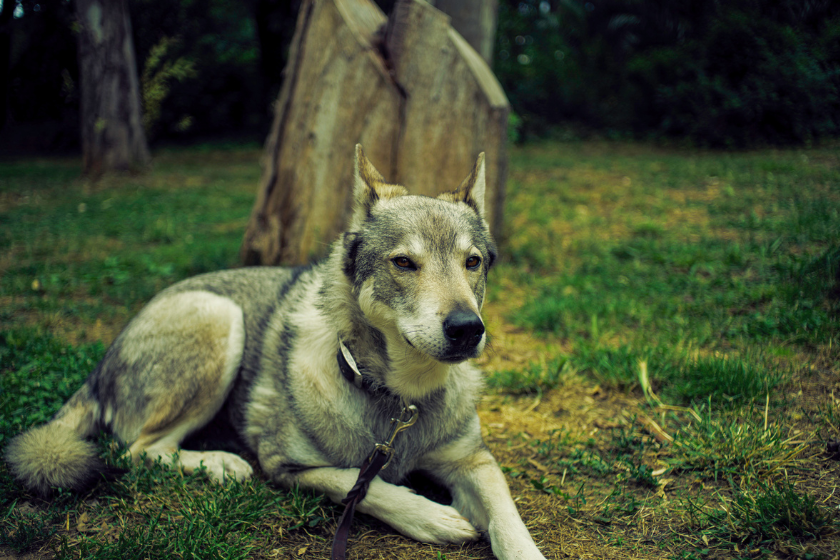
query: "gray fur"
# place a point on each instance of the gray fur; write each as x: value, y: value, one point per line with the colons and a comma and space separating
x: 256, y: 348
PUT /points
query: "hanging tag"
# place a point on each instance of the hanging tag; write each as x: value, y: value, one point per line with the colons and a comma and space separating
x: 348, y: 357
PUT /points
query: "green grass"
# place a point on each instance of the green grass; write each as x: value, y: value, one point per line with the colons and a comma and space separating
x: 779, y: 512
x: 155, y: 512
x: 536, y: 378
x: 737, y: 445
x: 631, y: 254
x: 38, y: 374
x: 77, y: 255
x: 695, y: 289
x: 148, y: 512
x: 77, y: 252
x: 706, y: 281
x: 685, y: 376
x: 753, y: 522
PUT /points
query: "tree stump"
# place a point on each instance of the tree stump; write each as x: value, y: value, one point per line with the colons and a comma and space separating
x: 475, y: 20
x: 410, y: 89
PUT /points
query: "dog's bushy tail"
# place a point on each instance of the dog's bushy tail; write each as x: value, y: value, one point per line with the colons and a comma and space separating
x: 57, y: 454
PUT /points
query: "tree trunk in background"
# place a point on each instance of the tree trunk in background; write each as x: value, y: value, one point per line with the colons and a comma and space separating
x: 113, y: 138
x: 420, y: 100
x: 475, y: 20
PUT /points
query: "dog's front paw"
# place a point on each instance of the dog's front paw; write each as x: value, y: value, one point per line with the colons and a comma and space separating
x: 439, y: 524
x: 221, y: 465
x: 427, y: 521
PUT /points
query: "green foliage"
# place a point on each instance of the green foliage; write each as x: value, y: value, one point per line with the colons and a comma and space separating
x: 302, y: 508
x: 547, y: 66
x: 622, y: 463
x: 678, y: 376
x: 158, y: 71
x: 723, y: 74
x: 709, y: 276
x: 735, y: 73
x: 780, y: 87
x: 758, y: 518
x: 208, y: 80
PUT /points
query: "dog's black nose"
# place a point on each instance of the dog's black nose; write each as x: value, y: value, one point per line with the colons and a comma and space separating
x: 463, y: 328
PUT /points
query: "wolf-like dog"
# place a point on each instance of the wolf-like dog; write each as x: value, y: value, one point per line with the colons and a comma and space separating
x: 397, y: 304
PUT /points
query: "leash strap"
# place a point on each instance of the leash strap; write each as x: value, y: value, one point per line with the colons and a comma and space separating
x: 378, y: 460
x: 369, y: 470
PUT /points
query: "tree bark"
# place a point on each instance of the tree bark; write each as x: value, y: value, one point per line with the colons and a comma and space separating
x: 113, y: 138
x: 454, y: 107
x: 475, y: 20
x: 419, y: 99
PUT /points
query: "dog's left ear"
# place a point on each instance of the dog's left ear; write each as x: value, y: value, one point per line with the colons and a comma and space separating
x: 471, y: 190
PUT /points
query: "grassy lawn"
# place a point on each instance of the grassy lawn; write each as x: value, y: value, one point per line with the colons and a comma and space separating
x: 662, y: 374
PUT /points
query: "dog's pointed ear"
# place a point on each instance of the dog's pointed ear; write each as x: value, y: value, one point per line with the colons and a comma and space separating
x: 471, y: 190
x: 369, y: 186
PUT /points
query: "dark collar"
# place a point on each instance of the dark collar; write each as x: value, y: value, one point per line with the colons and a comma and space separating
x: 352, y: 373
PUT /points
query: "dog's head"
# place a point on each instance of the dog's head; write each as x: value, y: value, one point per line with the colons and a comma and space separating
x: 418, y: 265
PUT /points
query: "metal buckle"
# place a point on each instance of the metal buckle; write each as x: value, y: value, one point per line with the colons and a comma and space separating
x: 408, y: 417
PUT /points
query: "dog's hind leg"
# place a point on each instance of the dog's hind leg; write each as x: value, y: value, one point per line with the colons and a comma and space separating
x: 164, y: 377
x: 174, y: 367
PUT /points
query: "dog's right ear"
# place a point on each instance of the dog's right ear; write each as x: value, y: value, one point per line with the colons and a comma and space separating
x: 369, y: 187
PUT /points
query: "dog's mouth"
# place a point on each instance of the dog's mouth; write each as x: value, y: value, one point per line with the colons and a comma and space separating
x: 460, y: 337
x: 457, y: 359
x: 448, y: 354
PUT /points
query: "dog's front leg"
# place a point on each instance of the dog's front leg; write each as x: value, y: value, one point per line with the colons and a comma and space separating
x: 412, y: 515
x: 480, y: 492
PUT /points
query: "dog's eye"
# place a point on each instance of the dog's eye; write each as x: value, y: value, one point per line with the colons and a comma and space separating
x: 404, y: 262
x: 473, y: 262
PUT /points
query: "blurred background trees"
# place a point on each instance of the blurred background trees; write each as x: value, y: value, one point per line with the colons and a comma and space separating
x: 722, y: 73
x: 718, y: 73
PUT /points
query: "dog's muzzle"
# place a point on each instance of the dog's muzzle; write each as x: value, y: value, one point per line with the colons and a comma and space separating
x: 464, y: 331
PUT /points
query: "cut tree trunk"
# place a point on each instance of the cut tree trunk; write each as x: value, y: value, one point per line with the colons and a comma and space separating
x: 475, y: 20
x: 419, y: 99
x: 113, y: 138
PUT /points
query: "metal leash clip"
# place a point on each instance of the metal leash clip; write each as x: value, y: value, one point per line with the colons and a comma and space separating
x: 408, y: 416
